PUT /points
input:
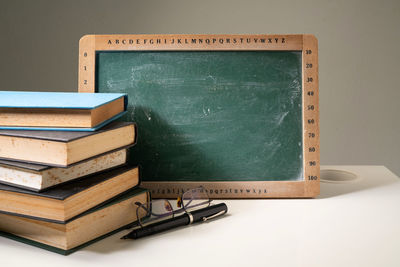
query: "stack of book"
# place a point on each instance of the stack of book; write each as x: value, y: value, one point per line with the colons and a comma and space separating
x: 64, y: 181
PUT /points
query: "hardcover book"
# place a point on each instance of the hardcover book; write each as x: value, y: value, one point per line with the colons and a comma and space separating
x: 62, y: 203
x: 83, y: 230
x: 40, y: 177
x: 63, y: 148
x: 59, y: 111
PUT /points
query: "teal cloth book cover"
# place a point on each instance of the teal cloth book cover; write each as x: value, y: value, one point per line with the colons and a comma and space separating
x: 26, y: 103
x: 98, y: 212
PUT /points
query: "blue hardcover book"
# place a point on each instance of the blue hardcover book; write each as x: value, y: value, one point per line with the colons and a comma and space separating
x: 59, y: 111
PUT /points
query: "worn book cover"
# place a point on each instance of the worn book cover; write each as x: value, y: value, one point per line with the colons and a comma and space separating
x: 54, y: 111
x: 37, y: 177
x: 63, y: 148
x: 62, y: 203
x: 83, y: 230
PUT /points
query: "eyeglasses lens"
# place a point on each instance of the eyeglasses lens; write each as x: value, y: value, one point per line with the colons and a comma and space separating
x: 195, y: 199
x: 156, y: 210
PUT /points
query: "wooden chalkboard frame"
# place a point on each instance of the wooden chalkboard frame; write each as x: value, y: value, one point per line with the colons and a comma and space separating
x: 307, y: 44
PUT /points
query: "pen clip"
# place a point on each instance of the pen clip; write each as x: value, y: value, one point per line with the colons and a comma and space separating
x: 213, y: 216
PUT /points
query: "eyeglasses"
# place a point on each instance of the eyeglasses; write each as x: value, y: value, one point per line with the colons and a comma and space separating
x: 163, y: 209
x: 160, y: 215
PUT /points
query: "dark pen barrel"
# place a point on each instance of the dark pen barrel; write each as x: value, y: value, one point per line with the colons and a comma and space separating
x: 160, y: 226
x: 198, y: 215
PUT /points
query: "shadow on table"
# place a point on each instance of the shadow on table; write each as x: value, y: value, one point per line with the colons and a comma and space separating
x: 114, y: 244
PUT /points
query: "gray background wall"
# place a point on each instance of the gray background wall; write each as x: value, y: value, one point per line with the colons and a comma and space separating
x: 359, y: 58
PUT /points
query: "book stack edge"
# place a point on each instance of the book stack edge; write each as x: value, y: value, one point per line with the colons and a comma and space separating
x: 64, y: 178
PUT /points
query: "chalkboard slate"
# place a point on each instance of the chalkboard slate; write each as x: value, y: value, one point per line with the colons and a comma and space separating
x: 211, y: 115
x: 235, y: 114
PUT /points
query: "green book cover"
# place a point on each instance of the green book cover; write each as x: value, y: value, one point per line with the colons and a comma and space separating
x: 129, y: 194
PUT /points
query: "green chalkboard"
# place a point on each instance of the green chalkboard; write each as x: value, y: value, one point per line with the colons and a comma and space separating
x: 211, y: 115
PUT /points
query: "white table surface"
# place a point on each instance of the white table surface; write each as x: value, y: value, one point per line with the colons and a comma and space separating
x: 350, y: 224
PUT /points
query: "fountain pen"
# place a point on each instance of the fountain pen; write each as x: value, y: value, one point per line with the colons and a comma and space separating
x: 200, y: 215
